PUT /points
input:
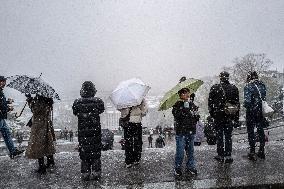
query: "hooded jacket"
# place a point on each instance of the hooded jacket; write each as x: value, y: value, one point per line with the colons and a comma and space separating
x: 87, y: 109
x: 252, y: 99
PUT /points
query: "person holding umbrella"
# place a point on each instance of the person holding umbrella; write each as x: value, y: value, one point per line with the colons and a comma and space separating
x: 129, y: 99
x: 133, y: 133
x: 4, y: 109
x: 185, y: 131
x: 41, y: 139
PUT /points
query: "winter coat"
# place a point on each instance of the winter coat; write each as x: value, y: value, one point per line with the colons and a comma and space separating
x: 41, y: 138
x: 199, y: 132
x: 185, y: 120
x: 160, y: 143
x: 88, y: 109
x: 217, y: 100
x: 136, y: 113
x: 252, y: 100
x: 3, y: 105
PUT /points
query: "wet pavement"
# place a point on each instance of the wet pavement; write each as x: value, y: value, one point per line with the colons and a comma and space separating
x: 154, y: 171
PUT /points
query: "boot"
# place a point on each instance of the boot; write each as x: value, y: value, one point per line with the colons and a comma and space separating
x: 85, y: 176
x: 15, y: 153
x: 42, y: 167
x: 50, y: 162
x: 261, y: 153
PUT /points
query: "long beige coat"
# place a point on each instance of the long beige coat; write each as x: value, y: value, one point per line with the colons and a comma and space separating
x: 41, y: 138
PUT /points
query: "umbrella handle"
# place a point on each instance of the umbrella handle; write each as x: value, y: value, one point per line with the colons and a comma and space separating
x: 21, y: 111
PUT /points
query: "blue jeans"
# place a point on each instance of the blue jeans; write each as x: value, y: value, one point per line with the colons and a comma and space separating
x: 7, y: 135
x: 181, y: 140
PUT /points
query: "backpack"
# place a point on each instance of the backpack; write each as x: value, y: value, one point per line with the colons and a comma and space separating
x: 229, y: 108
x: 123, y: 121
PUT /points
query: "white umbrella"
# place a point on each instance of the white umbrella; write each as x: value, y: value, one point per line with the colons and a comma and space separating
x: 129, y: 93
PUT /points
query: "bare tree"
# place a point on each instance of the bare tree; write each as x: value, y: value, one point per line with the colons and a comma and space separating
x: 250, y: 62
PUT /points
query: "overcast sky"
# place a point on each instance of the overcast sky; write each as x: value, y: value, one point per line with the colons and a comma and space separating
x: 107, y: 41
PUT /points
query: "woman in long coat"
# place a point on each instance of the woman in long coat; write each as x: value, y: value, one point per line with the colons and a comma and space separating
x: 41, y: 138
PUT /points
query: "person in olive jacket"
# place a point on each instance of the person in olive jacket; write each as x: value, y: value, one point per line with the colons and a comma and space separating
x: 87, y: 109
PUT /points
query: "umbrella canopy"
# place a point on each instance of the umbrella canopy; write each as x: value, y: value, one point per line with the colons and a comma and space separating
x: 32, y: 85
x: 129, y: 93
x: 171, y: 97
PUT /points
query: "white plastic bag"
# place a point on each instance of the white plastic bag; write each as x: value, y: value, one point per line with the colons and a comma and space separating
x: 266, y: 109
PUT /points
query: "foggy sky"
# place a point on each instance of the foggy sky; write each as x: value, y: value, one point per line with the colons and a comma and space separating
x: 107, y: 41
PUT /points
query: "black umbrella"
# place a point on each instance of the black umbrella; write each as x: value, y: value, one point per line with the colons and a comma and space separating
x: 32, y: 85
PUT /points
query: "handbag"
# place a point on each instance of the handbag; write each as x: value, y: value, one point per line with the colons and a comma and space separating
x: 230, y: 109
x: 266, y: 109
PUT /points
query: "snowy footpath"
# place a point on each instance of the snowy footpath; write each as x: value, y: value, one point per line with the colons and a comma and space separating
x: 154, y: 171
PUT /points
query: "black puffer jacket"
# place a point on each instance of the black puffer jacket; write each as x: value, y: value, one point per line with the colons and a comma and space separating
x: 216, y: 100
x: 185, y: 120
x: 87, y: 109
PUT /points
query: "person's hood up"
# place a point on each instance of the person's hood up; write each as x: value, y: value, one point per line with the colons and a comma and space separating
x: 88, y: 90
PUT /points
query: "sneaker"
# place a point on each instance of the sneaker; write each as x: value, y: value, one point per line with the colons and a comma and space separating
x: 229, y: 159
x: 128, y: 165
x: 15, y: 153
x: 85, y: 176
x: 192, y: 171
x: 261, y: 155
x: 219, y: 158
x: 178, y: 172
x: 252, y: 156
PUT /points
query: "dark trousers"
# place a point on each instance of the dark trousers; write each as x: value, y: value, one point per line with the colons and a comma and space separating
x: 254, y: 122
x: 91, y: 165
x: 133, y: 142
x: 50, y: 160
x: 224, y: 129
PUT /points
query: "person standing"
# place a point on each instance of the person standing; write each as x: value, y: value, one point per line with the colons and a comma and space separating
x: 4, y: 129
x: 71, y: 135
x: 254, y: 93
x: 41, y: 143
x: 185, y: 126
x: 150, y: 140
x: 65, y: 134
x: 223, y: 106
x: 133, y: 133
x: 88, y: 109
x: 160, y: 143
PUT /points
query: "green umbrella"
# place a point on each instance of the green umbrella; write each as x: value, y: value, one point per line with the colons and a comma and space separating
x: 171, y: 97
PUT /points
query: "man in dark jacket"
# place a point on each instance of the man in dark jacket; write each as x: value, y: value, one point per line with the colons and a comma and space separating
x: 4, y: 109
x: 185, y: 130
x: 219, y: 96
x: 87, y: 109
x: 254, y: 92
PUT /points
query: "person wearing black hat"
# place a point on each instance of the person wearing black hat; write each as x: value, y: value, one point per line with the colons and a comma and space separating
x: 4, y: 129
x: 254, y: 116
x: 223, y: 106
